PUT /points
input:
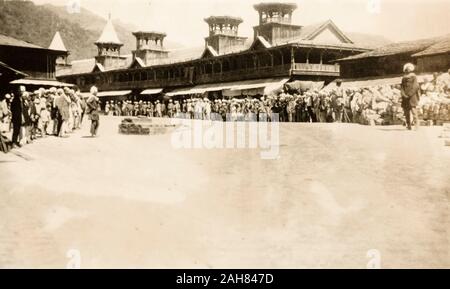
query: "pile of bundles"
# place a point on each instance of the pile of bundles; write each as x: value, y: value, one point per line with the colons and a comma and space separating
x: 374, y: 105
x: 143, y: 126
x: 381, y: 105
x: 435, y: 107
x: 129, y: 127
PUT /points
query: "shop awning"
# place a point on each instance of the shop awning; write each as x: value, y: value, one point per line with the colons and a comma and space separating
x: 262, y: 86
x: 16, y: 73
x: 114, y: 93
x: 187, y: 91
x: 41, y: 82
x: 257, y: 87
x: 152, y: 91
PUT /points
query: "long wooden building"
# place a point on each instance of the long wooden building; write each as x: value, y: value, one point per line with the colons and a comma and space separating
x: 279, y: 51
x: 429, y: 55
x: 24, y: 63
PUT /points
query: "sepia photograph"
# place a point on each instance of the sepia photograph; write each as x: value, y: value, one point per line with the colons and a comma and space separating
x: 224, y: 135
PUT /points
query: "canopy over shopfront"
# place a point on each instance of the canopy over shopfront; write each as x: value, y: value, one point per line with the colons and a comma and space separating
x: 40, y: 82
x: 5, y: 69
x: 152, y: 91
x: 113, y: 93
x: 230, y: 89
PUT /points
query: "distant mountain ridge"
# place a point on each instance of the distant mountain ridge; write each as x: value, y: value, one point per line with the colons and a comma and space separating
x: 38, y: 24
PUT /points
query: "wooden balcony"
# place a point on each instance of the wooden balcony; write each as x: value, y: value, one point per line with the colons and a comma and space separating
x: 244, y: 74
x: 316, y: 69
x: 140, y: 84
x: 285, y: 70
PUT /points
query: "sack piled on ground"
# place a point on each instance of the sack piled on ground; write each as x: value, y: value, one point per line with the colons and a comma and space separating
x: 435, y: 107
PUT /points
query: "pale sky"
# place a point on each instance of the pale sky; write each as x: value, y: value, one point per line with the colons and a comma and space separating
x: 182, y: 20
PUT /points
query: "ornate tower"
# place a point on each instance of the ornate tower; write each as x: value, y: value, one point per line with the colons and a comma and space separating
x: 275, y: 21
x: 223, y: 33
x: 58, y: 44
x: 149, y: 47
x: 109, y: 48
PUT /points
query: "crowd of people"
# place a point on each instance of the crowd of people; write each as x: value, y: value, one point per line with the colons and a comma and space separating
x: 26, y: 116
x: 370, y: 105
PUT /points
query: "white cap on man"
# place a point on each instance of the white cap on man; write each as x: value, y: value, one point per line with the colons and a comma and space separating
x: 94, y: 90
x: 409, y: 67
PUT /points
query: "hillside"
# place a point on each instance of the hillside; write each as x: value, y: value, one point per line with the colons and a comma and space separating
x: 38, y: 23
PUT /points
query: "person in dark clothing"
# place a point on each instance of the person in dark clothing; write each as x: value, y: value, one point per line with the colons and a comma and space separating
x: 93, y: 103
x: 16, y: 117
x: 410, y: 91
x: 26, y: 116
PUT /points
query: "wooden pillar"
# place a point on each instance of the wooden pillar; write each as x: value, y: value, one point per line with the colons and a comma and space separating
x: 307, y: 56
x: 292, y: 58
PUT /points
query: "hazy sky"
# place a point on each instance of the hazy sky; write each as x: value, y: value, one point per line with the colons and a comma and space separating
x: 183, y: 21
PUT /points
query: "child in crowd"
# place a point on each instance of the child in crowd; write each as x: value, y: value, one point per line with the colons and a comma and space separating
x: 44, y: 120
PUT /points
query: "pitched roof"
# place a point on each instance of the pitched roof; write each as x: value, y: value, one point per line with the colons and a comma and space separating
x: 262, y: 40
x: 308, y: 34
x: 438, y: 48
x: 137, y: 62
x: 57, y: 43
x: 109, y: 35
x: 9, y: 41
x: 310, y: 31
x: 98, y: 67
x: 78, y: 67
x: 209, y: 50
x: 396, y: 48
x: 16, y: 72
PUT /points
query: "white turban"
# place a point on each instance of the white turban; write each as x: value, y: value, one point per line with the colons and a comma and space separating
x: 409, y: 67
x: 94, y: 90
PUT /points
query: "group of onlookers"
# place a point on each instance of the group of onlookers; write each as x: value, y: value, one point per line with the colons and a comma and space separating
x: 26, y: 116
x: 383, y: 104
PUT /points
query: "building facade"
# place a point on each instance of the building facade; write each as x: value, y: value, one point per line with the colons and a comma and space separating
x: 36, y: 65
x: 429, y: 55
x: 279, y: 50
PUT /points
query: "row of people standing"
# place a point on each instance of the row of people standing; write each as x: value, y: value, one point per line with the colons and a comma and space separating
x: 310, y: 107
x: 26, y: 116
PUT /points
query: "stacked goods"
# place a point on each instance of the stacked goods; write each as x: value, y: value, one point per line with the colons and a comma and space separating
x: 129, y: 127
x: 435, y: 107
x: 372, y: 105
x: 143, y: 127
x: 381, y: 105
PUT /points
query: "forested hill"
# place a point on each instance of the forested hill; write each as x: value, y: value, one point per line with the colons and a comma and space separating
x: 38, y: 23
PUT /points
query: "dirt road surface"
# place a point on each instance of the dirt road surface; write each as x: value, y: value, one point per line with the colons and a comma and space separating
x: 335, y: 193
